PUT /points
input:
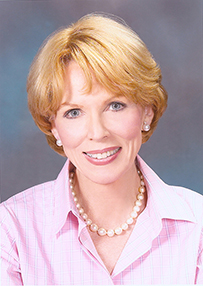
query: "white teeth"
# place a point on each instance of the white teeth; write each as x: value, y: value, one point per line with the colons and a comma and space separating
x: 103, y: 155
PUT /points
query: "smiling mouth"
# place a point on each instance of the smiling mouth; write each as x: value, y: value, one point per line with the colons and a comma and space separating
x: 104, y: 155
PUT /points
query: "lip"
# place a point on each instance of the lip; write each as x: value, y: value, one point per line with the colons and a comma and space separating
x: 103, y: 150
x: 103, y: 161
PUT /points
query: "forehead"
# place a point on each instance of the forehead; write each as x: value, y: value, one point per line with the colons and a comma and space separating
x: 75, y: 82
x: 74, y: 76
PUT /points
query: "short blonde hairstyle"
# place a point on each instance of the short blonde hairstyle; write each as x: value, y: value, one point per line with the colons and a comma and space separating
x: 110, y: 50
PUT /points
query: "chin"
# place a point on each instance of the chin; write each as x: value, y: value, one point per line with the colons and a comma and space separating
x: 104, y: 177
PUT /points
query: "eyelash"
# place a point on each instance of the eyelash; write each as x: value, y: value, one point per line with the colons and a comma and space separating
x: 67, y: 113
x: 121, y: 107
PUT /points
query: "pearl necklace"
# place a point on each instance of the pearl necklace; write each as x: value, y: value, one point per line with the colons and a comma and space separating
x: 118, y: 230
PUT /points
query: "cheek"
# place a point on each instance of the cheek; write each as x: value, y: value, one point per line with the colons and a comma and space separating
x: 129, y: 128
x: 71, y: 135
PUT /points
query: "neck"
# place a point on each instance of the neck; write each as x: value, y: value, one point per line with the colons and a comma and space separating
x: 109, y: 204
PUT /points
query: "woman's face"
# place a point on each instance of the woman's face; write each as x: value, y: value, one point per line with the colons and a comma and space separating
x: 100, y: 132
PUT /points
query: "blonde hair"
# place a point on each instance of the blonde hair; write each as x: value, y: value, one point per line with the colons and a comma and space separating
x: 110, y: 50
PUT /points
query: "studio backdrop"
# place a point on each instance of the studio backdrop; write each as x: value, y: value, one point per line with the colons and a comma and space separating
x: 172, y: 31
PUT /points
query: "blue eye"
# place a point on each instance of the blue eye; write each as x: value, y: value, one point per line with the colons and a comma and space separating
x: 73, y: 113
x: 116, y: 106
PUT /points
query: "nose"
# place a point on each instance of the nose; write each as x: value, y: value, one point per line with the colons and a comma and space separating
x: 97, y: 130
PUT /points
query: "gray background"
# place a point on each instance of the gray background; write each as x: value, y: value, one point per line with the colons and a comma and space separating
x: 172, y: 30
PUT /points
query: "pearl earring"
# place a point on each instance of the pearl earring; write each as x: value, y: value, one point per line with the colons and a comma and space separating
x: 146, y: 127
x: 58, y: 143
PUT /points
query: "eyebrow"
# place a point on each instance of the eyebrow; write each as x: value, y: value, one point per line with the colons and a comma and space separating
x: 71, y: 105
x: 66, y: 103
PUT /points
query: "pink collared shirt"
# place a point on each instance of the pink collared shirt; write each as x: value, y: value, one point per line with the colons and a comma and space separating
x: 45, y: 242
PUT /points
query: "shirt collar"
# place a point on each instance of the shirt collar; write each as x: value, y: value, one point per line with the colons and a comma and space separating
x: 63, y: 202
x: 164, y: 199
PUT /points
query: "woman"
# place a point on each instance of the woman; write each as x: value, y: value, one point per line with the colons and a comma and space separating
x: 95, y: 91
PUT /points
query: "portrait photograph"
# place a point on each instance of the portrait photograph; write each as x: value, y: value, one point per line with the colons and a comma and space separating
x: 101, y: 142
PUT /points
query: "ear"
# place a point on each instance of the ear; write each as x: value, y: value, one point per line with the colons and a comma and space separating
x: 54, y: 130
x: 148, y: 115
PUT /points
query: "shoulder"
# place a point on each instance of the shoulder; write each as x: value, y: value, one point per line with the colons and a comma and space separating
x: 36, y: 204
x: 173, y: 202
x: 26, y: 213
x: 193, y: 199
x: 27, y: 201
x: 39, y: 195
x: 29, y: 194
x: 187, y: 194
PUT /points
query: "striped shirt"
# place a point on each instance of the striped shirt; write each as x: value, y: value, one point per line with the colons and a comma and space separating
x: 45, y: 242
